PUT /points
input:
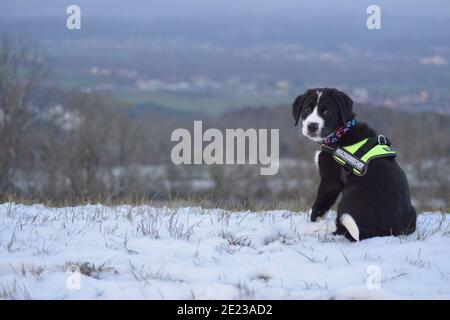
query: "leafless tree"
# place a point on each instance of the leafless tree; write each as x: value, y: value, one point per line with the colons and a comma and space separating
x: 22, y: 69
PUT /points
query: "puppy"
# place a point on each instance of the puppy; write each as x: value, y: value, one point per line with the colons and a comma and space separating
x: 376, y: 203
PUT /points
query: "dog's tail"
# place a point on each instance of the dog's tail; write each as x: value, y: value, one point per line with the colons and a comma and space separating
x: 349, y: 223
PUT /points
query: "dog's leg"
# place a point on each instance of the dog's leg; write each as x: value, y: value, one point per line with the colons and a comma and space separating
x: 349, y: 223
x: 326, y: 196
x: 342, y: 230
x: 346, y: 226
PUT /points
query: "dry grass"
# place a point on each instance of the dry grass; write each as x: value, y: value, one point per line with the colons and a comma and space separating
x: 90, y: 269
x: 14, y: 290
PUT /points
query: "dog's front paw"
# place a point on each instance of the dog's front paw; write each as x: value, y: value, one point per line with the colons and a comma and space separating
x: 316, y: 215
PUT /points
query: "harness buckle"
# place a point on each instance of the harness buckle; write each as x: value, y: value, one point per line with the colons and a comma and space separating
x: 382, y: 139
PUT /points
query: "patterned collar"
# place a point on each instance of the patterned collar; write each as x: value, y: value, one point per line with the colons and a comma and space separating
x: 338, y: 133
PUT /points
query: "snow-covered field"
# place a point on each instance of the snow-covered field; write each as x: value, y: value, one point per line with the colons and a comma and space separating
x: 192, y: 253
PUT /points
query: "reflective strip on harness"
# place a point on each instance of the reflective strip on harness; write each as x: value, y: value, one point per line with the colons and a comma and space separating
x: 348, y: 158
x: 368, y: 149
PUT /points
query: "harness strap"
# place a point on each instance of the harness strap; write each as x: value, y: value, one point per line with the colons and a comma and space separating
x: 344, y: 175
x: 371, y: 142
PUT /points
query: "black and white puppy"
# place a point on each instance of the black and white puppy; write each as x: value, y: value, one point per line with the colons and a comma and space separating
x: 375, y: 204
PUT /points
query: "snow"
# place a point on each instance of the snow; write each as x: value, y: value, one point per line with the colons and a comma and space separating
x: 143, y: 252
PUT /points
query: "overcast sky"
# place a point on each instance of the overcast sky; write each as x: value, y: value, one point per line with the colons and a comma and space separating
x: 212, y: 8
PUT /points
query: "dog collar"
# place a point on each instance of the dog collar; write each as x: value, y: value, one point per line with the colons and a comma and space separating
x: 338, y: 133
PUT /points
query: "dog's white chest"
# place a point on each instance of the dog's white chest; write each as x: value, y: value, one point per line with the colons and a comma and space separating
x: 316, y: 158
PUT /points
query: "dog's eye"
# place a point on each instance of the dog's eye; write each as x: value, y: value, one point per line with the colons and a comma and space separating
x: 326, y: 113
x: 308, y: 108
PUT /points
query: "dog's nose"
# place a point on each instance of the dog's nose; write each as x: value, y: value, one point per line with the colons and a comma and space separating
x: 313, y: 127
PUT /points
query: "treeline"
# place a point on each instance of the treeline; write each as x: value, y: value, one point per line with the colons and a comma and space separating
x: 79, y: 146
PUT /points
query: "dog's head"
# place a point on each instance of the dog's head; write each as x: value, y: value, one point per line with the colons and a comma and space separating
x: 322, y: 111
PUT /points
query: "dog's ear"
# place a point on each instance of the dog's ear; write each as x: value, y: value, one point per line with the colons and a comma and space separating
x: 345, y: 104
x: 297, y: 106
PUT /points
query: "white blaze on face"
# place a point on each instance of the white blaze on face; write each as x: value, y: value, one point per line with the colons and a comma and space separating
x: 313, y: 117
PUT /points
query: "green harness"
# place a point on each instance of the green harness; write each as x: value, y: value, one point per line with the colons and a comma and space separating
x: 356, y: 157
